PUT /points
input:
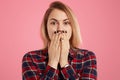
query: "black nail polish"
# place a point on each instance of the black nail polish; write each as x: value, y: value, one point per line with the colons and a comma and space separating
x: 62, y: 31
x: 65, y: 31
x: 58, y: 31
x: 54, y: 32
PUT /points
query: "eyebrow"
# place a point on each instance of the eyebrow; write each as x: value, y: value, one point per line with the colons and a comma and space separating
x: 58, y: 20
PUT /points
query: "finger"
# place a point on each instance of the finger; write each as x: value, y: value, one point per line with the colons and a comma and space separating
x: 66, y: 35
x: 48, y: 44
x: 62, y: 40
x: 63, y: 37
x: 52, y: 39
x: 56, y: 37
x: 58, y: 48
x: 57, y: 42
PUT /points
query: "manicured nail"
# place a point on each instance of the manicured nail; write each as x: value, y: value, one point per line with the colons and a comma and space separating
x: 54, y: 32
x: 65, y: 31
x: 62, y: 31
x: 57, y: 31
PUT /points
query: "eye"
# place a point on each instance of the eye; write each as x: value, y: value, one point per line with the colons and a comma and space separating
x: 66, y: 23
x: 53, y: 23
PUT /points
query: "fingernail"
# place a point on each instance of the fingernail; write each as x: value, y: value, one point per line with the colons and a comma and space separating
x: 54, y: 32
x: 65, y: 31
x: 57, y: 31
x: 62, y: 31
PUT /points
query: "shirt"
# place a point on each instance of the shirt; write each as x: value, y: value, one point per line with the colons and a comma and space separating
x: 82, y: 66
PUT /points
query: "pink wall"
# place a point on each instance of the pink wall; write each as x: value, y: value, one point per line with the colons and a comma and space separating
x: 19, y: 33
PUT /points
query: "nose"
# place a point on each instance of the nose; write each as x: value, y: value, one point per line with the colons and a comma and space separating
x: 60, y: 27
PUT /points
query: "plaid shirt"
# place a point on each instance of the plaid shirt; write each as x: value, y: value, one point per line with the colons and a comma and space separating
x: 82, y: 66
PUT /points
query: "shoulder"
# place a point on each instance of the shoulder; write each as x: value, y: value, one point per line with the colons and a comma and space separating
x: 84, y: 53
x: 31, y: 53
x: 87, y: 57
x: 34, y: 53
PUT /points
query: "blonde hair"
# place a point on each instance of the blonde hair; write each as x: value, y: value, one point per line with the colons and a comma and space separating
x: 75, y: 40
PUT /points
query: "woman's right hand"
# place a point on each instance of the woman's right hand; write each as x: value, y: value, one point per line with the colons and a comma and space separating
x: 54, y: 50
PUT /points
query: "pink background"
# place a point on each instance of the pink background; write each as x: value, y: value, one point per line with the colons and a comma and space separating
x: 19, y: 33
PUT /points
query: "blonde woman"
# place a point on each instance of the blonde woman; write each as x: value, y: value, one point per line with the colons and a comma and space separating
x: 61, y: 58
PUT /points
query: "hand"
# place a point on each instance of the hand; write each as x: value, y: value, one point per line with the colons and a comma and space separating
x: 65, y: 46
x: 54, y: 50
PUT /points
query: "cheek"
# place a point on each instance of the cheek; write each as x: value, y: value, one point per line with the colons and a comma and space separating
x: 50, y: 31
x: 69, y: 32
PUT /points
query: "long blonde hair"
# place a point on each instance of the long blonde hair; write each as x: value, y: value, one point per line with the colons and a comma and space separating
x: 75, y: 40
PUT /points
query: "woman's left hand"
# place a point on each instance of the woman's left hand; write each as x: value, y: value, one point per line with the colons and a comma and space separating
x: 65, y: 46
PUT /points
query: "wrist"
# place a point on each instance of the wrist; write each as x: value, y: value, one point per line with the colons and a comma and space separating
x: 53, y: 64
x: 64, y: 64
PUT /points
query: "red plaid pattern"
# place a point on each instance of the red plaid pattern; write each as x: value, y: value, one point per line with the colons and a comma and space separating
x: 82, y: 66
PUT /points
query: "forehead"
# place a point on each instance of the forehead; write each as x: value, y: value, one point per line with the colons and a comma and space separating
x: 58, y: 15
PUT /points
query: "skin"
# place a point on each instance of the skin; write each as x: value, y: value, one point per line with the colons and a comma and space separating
x: 58, y: 49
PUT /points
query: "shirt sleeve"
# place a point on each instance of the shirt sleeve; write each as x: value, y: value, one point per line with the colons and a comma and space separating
x: 30, y: 70
x: 89, y: 70
x: 69, y: 73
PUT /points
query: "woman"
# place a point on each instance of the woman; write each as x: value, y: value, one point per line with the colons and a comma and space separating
x: 61, y: 58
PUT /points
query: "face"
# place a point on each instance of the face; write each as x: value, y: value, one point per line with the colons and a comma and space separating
x: 58, y: 20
